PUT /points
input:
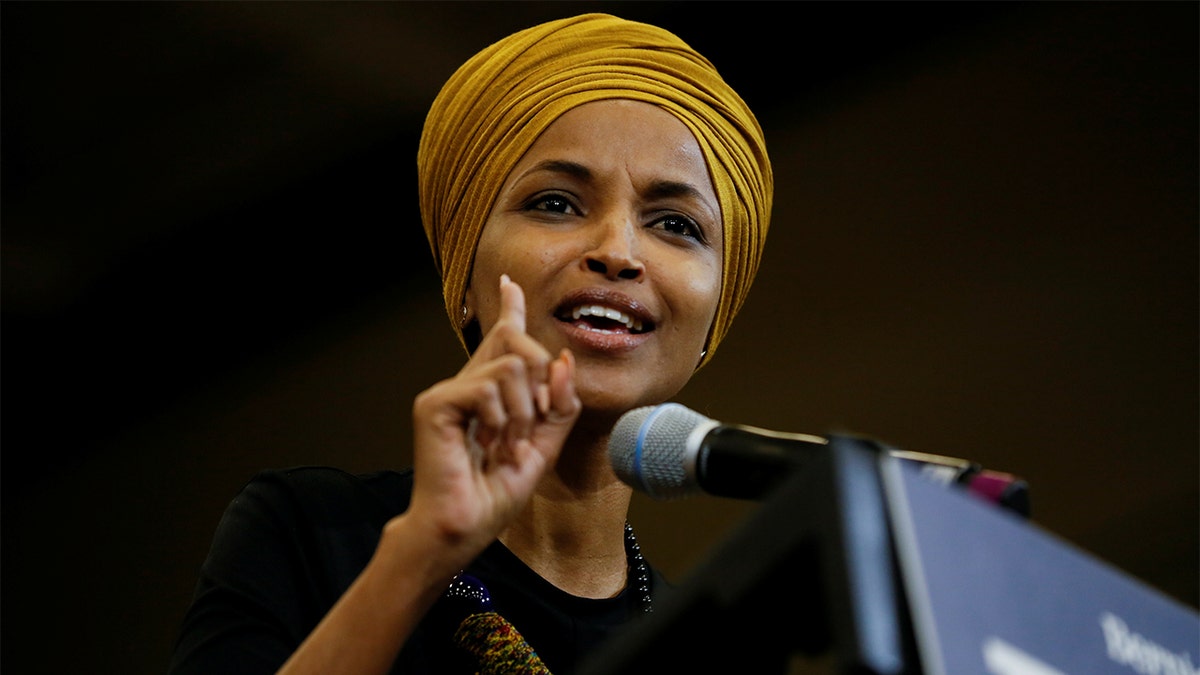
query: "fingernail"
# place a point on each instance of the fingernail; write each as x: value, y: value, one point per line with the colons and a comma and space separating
x: 504, y: 279
x: 543, y: 398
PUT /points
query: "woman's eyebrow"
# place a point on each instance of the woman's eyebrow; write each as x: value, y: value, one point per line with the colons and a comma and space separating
x: 657, y: 190
x: 666, y: 188
x: 573, y: 169
x: 660, y: 189
x: 669, y: 189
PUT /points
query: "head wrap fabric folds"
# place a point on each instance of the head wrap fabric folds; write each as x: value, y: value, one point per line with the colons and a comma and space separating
x: 495, y: 106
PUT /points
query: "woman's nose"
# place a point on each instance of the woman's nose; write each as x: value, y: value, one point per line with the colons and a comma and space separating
x: 614, y: 252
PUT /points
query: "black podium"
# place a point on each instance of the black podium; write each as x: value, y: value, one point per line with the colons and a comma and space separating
x: 861, y: 565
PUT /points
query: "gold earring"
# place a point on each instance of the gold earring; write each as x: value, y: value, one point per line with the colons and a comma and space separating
x: 462, y: 322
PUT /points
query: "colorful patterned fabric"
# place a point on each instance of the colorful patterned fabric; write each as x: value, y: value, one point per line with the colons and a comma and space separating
x: 497, y: 646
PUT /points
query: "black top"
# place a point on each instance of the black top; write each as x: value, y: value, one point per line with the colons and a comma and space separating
x: 293, y: 540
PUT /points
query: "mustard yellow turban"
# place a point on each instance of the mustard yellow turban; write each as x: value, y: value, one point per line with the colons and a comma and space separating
x: 495, y: 106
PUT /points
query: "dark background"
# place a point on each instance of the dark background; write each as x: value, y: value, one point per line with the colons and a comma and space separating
x: 984, y: 245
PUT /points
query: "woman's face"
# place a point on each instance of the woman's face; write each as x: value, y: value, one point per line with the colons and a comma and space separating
x: 611, y: 225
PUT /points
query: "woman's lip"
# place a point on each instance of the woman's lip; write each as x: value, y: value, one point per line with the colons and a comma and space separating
x: 584, y: 336
x: 581, y: 336
x: 606, y: 298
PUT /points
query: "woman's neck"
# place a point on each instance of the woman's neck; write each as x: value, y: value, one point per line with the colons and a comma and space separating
x: 572, y: 531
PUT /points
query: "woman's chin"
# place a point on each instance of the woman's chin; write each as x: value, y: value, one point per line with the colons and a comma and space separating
x: 611, y: 402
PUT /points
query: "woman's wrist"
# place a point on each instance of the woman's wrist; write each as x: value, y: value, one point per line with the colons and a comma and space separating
x: 418, y: 549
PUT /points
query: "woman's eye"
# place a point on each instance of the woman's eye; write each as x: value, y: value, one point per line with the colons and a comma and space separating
x: 553, y: 204
x: 681, y: 225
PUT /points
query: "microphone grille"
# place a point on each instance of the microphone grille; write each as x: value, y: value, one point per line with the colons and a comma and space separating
x: 648, y: 449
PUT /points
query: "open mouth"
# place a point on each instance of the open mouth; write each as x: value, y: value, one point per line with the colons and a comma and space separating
x: 606, y: 319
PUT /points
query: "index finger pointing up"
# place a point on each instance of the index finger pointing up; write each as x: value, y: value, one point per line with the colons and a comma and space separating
x: 512, y: 303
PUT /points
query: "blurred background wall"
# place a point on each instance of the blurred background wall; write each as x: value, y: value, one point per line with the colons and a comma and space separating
x: 984, y: 245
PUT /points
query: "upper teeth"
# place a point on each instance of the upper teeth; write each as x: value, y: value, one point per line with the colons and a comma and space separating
x: 607, y: 313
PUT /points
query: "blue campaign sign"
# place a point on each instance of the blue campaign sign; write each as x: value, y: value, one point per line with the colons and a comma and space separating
x: 994, y: 594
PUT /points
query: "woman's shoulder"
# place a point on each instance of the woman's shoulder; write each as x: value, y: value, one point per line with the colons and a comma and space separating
x: 330, y: 491
x: 311, y: 476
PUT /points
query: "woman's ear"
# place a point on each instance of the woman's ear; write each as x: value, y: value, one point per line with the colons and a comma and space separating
x: 468, y: 323
x: 466, y: 312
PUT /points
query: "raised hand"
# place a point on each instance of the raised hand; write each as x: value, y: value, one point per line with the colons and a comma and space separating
x: 484, y: 437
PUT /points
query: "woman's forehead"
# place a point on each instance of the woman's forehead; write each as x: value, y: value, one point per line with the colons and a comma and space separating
x: 617, y: 135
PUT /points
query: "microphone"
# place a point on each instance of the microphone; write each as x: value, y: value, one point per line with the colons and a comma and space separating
x: 670, y: 451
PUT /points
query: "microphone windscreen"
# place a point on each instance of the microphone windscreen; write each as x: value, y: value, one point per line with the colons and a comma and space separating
x: 649, y: 451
